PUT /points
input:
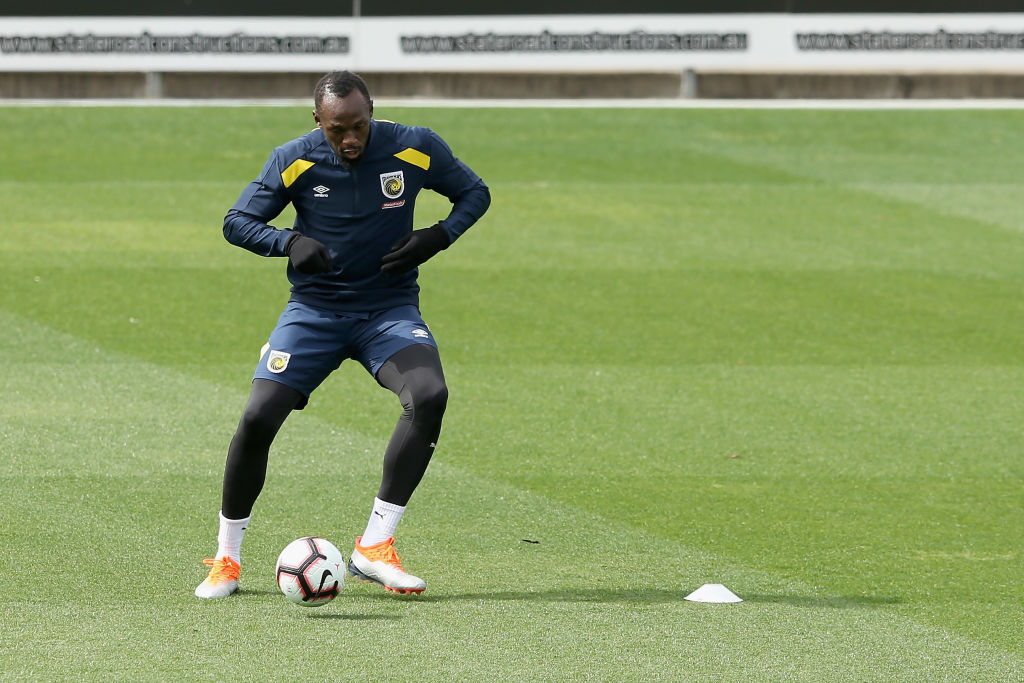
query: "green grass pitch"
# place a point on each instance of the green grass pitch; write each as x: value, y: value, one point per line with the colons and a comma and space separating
x: 779, y: 350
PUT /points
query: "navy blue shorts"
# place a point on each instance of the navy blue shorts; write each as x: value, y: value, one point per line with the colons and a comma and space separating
x: 309, y: 343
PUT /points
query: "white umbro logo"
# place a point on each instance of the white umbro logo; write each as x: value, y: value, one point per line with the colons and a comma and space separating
x: 320, y: 191
x: 423, y: 334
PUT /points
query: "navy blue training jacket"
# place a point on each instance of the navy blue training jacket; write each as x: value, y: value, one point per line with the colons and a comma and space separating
x: 358, y: 212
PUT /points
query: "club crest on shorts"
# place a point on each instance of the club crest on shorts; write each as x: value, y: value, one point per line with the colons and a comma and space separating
x: 277, y: 361
x: 392, y: 184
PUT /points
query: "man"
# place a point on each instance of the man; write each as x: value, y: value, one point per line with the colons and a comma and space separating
x: 352, y: 261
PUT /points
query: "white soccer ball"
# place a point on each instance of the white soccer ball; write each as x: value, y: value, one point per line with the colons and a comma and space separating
x: 310, y: 571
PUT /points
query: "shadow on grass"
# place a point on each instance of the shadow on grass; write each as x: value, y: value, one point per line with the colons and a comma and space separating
x: 827, y: 601
x: 639, y: 596
x: 633, y: 596
x: 654, y: 596
x: 328, y: 612
x: 261, y: 593
x: 353, y: 617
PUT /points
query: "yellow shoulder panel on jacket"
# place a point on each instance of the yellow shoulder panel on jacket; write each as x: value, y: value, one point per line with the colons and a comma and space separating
x: 298, y: 167
x: 415, y: 157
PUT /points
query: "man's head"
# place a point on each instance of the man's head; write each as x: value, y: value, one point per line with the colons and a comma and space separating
x: 343, y: 111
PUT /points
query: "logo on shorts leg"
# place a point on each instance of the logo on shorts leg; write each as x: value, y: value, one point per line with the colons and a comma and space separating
x: 277, y: 361
x: 420, y: 333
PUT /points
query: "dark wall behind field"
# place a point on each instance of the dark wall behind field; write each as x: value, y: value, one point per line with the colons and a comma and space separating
x: 407, y: 8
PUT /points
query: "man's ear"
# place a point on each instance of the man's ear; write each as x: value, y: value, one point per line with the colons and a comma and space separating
x: 316, y: 117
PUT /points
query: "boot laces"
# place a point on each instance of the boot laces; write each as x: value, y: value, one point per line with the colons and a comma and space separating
x: 384, y: 552
x: 223, y: 569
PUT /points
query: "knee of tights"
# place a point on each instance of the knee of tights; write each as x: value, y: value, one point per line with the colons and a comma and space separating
x: 256, y: 428
x: 427, y: 404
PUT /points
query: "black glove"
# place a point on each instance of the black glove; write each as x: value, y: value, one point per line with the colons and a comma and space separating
x: 413, y: 249
x: 307, y: 254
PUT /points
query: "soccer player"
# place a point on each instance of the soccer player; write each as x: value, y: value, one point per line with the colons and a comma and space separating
x: 352, y: 262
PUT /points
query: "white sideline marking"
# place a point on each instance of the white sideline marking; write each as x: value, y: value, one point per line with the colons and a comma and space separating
x: 638, y: 103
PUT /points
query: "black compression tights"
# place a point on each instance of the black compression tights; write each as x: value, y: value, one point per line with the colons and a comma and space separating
x: 414, y: 374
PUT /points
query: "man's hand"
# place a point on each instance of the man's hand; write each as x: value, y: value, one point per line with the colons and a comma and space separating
x: 414, y: 249
x: 308, y: 255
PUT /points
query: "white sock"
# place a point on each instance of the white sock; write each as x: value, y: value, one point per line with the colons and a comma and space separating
x: 383, y: 521
x: 229, y: 539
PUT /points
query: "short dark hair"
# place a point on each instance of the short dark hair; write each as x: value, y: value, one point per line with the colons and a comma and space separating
x: 339, y: 84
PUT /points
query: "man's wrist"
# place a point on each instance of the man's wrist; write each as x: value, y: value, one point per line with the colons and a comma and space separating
x: 440, y: 234
x: 288, y: 243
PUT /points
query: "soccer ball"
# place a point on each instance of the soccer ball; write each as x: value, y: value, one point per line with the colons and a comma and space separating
x: 310, y: 571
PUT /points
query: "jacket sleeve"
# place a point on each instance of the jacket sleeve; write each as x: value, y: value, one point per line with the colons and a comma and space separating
x: 247, y: 225
x: 455, y: 180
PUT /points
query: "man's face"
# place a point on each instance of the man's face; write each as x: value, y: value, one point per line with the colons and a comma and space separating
x: 346, y: 124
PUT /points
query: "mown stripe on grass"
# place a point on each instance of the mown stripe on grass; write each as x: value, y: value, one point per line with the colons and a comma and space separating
x: 595, y: 598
